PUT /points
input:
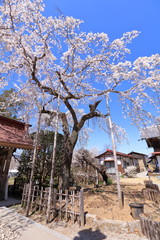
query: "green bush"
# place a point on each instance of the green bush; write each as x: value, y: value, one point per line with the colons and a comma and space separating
x: 100, y: 183
x: 122, y: 176
x: 109, y: 181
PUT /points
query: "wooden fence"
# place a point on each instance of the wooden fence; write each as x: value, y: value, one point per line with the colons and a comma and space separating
x: 151, y: 195
x: 150, y: 228
x: 67, y: 205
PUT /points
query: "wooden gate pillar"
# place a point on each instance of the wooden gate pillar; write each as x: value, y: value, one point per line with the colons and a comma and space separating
x: 5, y: 159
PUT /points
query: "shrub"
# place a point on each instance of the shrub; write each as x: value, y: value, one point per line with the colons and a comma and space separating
x: 130, y: 171
x: 122, y: 176
x: 109, y: 181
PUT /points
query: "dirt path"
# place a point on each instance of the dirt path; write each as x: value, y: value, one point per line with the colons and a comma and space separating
x: 140, y: 180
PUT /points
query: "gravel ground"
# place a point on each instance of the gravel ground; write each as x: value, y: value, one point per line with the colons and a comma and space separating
x: 11, y: 224
x: 6, y: 233
x: 88, y: 233
x: 125, y: 237
x: 6, y: 230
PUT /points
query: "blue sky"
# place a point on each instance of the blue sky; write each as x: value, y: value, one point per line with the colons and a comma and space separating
x: 115, y: 17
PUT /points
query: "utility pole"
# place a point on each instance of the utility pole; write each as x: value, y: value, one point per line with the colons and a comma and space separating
x: 114, y: 155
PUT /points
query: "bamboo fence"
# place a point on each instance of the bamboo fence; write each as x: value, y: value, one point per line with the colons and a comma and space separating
x: 150, y: 228
x: 67, y: 205
x: 151, y: 195
x: 150, y: 223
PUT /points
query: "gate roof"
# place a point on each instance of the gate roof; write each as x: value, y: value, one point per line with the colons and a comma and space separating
x: 14, y: 134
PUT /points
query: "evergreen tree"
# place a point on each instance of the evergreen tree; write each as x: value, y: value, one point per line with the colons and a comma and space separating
x: 9, y: 108
x: 43, y: 159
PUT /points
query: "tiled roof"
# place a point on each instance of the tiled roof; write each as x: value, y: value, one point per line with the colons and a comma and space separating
x: 150, y: 132
x: 155, y: 153
x: 132, y: 153
x: 111, y: 152
x: 14, y: 134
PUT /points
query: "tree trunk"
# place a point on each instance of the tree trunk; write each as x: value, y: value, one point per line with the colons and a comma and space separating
x: 70, y: 137
x: 104, y: 175
x: 68, y: 147
x: 101, y: 170
x: 64, y: 179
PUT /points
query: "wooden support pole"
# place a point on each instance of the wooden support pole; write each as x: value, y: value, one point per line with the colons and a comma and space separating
x: 33, y: 165
x: 73, y: 206
x: 53, y: 164
x: 81, y: 204
x: 115, y: 156
x: 41, y: 199
x: 23, y: 195
x: 66, y: 200
x: 60, y: 204
x: 32, y: 197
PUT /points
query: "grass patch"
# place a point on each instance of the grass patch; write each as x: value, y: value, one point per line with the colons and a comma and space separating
x: 122, y: 176
x: 11, y: 181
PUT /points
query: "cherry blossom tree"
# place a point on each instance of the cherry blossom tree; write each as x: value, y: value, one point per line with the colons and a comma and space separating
x: 51, y: 57
x: 83, y: 159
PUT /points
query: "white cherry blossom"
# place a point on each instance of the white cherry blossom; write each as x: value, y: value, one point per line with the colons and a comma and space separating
x: 52, y: 57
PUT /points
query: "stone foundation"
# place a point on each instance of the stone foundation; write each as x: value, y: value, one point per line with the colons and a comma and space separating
x: 115, y: 226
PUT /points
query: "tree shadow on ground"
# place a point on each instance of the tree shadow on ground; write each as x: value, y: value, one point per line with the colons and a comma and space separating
x: 14, y: 221
x: 134, y: 195
x: 89, y: 234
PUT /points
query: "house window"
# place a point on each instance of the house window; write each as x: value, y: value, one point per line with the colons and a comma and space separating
x: 126, y: 164
x: 110, y: 164
x: 135, y: 162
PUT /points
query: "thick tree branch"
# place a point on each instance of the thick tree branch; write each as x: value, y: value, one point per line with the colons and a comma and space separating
x: 100, y: 169
x: 74, y: 117
x: 63, y: 117
x: 94, y: 106
x: 35, y: 79
x: 93, y: 113
x: 70, y: 95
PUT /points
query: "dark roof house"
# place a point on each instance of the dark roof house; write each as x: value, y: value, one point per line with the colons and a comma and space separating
x: 152, y: 137
x: 123, y: 161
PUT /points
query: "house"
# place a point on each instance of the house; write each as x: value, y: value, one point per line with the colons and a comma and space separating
x: 13, y: 135
x: 152, y: 137
x: 123, y: 160
x: 140, y: 160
